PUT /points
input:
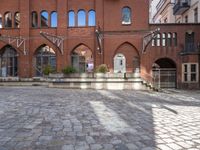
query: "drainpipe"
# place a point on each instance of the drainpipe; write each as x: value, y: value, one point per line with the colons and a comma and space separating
x: 199, y: 62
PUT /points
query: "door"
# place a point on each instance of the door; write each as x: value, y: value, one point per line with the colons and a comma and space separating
x: 119, y: 63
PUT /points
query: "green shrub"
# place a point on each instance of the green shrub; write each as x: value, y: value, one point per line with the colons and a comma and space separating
x: 102, y: 68
x: 69, y: 70
x: 48, y: 69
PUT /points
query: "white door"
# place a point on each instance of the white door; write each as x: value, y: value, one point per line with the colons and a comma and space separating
x: 119, y: 63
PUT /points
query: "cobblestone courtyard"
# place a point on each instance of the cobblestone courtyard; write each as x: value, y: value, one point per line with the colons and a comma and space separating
x: 38, y: 118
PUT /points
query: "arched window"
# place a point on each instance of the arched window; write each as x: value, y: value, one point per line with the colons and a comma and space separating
x: 158, y: 39
x: 126, y: 15
x: 169, y: 39
x: 1, y: 24
x: 71, y: 18
x: 54, y: 19
x: 44, y: 19
x: 175, y: 39
x: 81, y: 18
x: 34, y: 19
x: 17, y: 20
x: 8, y: 62
x: 45, y: 57
x: 153, y: 42
x: 91, y: 18
x: 164, y: 39
x: 8, y: 20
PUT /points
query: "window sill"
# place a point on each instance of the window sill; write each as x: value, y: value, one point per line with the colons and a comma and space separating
x: 190, y: 82
x: 128, y: 24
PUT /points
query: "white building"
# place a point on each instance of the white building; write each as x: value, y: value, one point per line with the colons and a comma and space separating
x: 177, y: 11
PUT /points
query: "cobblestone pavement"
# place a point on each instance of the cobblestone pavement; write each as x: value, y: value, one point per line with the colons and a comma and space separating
x: 38, y: 118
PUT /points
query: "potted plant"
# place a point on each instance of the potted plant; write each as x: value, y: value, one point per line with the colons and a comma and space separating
x: 101, y: 70
x: 48, y: 70
x: 69, y: 71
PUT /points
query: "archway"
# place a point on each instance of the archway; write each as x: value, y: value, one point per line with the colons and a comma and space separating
x: 127, y: 58
x: 164, y: 73
x: 119, y: 63
x: 82, y: 59
x: 45, y: 56
x: 8, y: 62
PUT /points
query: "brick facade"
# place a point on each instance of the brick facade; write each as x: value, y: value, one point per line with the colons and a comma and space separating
x: 117, y: 38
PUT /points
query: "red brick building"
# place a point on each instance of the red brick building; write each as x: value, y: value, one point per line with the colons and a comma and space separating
x: 85, y: 34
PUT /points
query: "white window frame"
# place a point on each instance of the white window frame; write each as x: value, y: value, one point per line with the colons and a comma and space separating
x: 189, y: 73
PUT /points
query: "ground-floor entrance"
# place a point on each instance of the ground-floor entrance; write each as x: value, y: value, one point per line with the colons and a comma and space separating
x: 8, y: 62
x: 164, y: 73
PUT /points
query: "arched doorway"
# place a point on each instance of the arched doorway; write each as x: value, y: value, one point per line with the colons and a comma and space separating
x: 164, y: 73
x: 8, y: 62
x: 45, y: 56
x: 82, y: 59
x: 126, y: 59
x: 119, y: 63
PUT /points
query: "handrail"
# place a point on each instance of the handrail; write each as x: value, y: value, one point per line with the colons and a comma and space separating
x: 151, y: 79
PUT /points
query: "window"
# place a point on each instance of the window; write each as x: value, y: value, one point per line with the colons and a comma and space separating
x: 44, y: 19
x: 17, y: 20
x: 54, y: 19
x: 45, y: 56
x: 189, y: 42
x: 158, y: 40
x: 175, y: 39
x: 166, y: 20
x: 8, y: 62
x: 190, y: 72
x: 153, y: 42
x: 1, y: 24
x: 71, y: 18
x: 81, y: 18
x: 169, y: 39
x: 34, y: 18
x: 196, y: 15
x: 164, y: 39
x: 91, y: 18
x: 8, y: 20
x: 126, y: 16
x: 186, y: 19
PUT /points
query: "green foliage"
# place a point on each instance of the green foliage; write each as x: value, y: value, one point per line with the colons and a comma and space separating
x: 48, y: 69
x: 102, y: 68
x: 69, y: 69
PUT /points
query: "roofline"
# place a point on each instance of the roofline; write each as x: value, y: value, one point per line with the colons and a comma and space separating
x: 171, y: 24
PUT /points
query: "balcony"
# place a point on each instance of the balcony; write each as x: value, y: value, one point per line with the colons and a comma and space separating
x: 181, y: 6
x: 191, y: 48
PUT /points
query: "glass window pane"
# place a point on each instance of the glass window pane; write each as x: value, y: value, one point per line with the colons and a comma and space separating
x: 185, y: 68
x: 44, y: 19
x: 71, y: 19
x: 164, y: 39
x: 91, y: 18
x: 81, y: 18
x: 1, y: 26
x: 193, y: 77
x: 34, y: 19
x: 185, y: 78
x: 17, y: 20
x: 193, y: 68
x: 126, y: 15
x: 54, y: 19
x: 8, y: 20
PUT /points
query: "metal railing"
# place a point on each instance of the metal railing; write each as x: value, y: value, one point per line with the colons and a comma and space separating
x: 182, y: 4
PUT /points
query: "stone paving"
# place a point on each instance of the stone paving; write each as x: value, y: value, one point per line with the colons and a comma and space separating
x: 38, y: 118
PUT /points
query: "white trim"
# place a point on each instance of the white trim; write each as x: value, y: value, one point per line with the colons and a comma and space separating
x: 189, y: 73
